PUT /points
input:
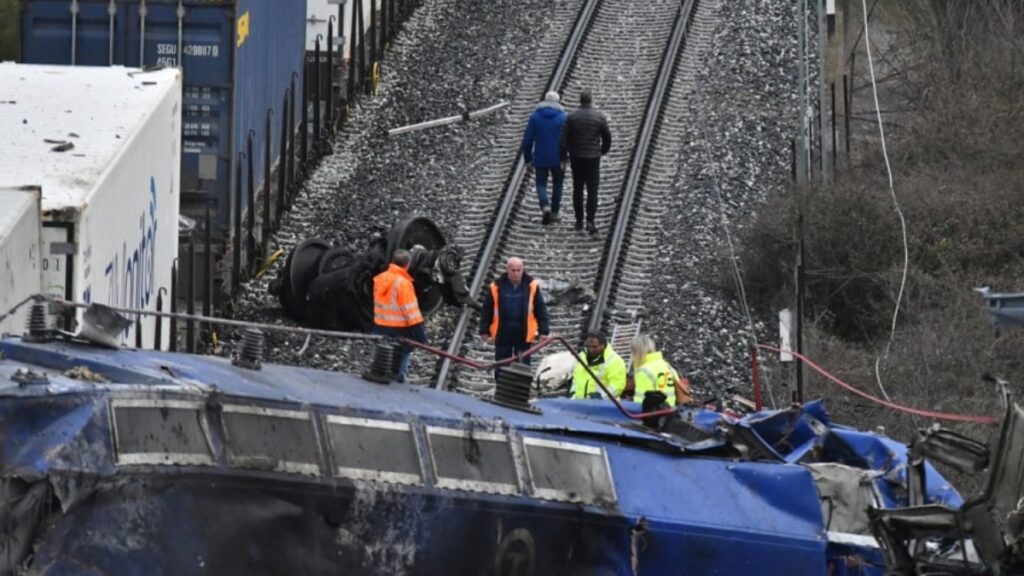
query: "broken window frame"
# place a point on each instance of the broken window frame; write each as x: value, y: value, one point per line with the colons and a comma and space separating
x: 565, y: 495
x: 160, y: 458
x: 253, y: 463
x: 474, y: 485
x: 376, y: 475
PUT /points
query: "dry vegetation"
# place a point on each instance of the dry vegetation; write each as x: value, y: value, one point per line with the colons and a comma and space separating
x: 957, y: 77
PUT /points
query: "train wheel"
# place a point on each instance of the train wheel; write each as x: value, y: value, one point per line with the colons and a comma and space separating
x: 422, y: 237
x: 301, y: 267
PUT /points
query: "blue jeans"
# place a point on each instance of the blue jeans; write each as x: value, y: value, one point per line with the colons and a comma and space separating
x: 502, y: 351
x: 558, y: 177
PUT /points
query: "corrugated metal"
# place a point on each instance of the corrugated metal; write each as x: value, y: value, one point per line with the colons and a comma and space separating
x: 238, y: 60
x: 110, y: 203
x: 19, y: 253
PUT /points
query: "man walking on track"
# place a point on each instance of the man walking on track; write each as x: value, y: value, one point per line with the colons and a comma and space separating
x: 585, y: 138
x: 541, y: 147
x: 514, y: 313
x: 396, y: 311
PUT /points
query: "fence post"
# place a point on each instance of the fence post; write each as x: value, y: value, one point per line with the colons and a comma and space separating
x: 236, y: 257
x: 159, y: 323
x: 267, y: 188
x: 352, y: 60
x: 756, y: 379
x: 305, y: 119
x: 291, y: 139
x: 172, y: 325
x: 316, y: 100
x: 832, y: 93
x: 374, y: 36
x: 362, y: 47
x: 846, y: 110
x: 250, y: 228
x: 208, y: 283
x: 330, y: 75
x: 282, y: 162
x: 190, y: 305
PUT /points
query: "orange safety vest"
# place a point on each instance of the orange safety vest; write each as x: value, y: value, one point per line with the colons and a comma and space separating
x: 394, y: 299
x: 531, y: 318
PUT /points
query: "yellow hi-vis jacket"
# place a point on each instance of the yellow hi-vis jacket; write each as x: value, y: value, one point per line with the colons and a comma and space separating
x: 657, y: 374
x: 394, y: 299
x: 611, y: 372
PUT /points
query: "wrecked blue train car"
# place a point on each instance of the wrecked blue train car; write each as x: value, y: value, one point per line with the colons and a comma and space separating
x: 141, y: 462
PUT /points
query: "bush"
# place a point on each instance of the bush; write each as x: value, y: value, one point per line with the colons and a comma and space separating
x: 958, y: 181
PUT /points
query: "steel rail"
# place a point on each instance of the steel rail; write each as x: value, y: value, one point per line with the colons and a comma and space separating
x: 485, y: 257
x: 628, y: 204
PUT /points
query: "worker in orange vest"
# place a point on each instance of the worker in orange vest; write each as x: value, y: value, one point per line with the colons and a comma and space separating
x: 396, y: 311
x: 514, y: 313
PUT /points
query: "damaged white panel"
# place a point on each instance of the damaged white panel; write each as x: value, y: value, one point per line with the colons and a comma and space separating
x: 19, y: 253
x: 374, y: 450
x: 271, y: 439
x: 160, y: 432
x: 473, y: 461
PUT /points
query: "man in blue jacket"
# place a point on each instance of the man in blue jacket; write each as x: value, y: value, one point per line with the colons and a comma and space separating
x: 541, y: 147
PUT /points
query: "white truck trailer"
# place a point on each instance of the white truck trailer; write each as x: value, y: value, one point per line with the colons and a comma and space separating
x: 20, y: 264
x: 103, y: 145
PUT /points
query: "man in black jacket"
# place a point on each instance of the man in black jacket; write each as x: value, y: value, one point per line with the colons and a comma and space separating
x: 585, y: 138
x: 514, y: 313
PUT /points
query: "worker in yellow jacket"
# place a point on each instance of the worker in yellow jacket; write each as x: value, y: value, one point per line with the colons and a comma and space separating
x: 604, y: 362
x: 652, y: 373
x: 396, y: 310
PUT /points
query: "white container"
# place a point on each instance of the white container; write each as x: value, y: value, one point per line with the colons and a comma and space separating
x: 319, y: 12
x: 19, y: 254
x: 110, y: 202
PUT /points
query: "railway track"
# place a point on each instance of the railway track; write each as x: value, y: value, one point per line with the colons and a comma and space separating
x: 638, y: 57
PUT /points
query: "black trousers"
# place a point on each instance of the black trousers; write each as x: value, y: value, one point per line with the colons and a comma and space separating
x: 585, y: 172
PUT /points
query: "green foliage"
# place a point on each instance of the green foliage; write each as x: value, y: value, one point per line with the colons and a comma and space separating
x: 9, y: 22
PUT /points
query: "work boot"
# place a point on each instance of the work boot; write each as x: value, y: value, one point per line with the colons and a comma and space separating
x: 591, y: 228
x: 579, y: 225
x: 555, y: 217
x: 546, y: 217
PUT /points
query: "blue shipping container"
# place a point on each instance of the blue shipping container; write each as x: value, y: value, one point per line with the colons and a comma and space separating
x: 239, y: 61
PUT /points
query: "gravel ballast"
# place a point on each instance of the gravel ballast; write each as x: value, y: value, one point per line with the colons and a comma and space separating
x: 454, y: 55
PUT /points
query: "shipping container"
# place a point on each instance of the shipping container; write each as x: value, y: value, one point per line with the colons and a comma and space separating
x: 19, y: 253
x: 319, y: 13
x: 240, y: 61
x: 103, y: 145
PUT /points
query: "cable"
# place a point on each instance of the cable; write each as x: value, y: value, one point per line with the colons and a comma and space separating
x: 732, y: 256
x: 895, y: 201
x: 978, y: 419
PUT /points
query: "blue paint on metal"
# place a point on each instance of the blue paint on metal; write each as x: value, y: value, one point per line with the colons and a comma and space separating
x: 231, y: 77
x: 1007, y: 309
x: 869, y: 450
x: 675, y: 505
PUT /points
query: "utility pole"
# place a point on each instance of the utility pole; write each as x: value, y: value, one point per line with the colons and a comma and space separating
x: 825, y: 133
x: 802, y: 175
x: 802, y: 140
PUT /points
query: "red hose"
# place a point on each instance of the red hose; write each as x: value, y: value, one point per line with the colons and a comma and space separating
x: 990, y: 420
